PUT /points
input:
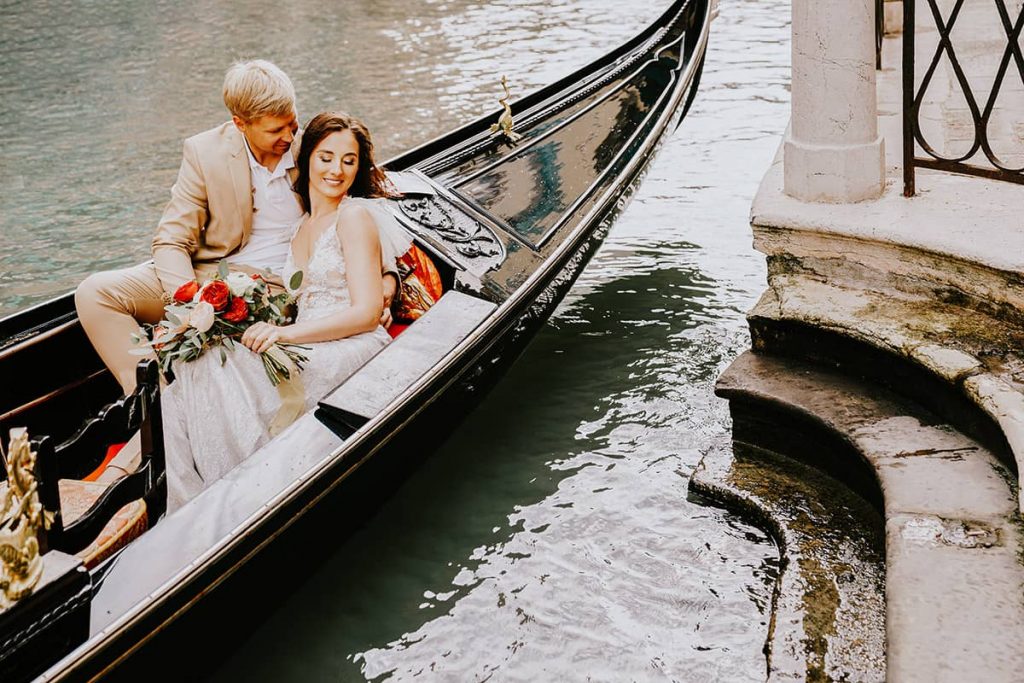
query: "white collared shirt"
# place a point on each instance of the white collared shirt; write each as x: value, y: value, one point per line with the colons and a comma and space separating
x: 275, y: 213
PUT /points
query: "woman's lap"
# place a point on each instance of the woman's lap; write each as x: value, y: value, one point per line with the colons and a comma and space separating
x: 216, y: 415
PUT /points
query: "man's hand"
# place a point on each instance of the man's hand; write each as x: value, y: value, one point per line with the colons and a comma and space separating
x: 389, y: 284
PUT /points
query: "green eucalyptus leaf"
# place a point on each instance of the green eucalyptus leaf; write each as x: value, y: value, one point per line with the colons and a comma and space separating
x: 222, y: 270
x: 296, y: 280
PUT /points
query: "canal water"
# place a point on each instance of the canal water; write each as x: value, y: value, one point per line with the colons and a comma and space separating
x: 551, y: 538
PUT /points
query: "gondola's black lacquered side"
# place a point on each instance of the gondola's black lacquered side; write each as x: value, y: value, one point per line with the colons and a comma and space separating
x: 47, y: 624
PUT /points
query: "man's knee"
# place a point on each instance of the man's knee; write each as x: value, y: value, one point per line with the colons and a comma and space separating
x: 96, y: 290
x: 132, y: 291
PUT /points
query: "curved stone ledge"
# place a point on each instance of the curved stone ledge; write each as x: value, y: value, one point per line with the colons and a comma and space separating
x: 828, y: 608
x: 958, y: 217
x: 969, y: 367
x: 903, y: 271
x: 954, y: 578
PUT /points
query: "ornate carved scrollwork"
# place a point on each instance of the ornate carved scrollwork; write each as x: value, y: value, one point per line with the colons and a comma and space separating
x: 21, y: 521
x: 468, y: 237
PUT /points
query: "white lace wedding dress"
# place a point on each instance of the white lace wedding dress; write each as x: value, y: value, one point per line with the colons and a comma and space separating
x: 216, y: 416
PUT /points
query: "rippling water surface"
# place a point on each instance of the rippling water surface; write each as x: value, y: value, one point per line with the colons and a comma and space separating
x: 551, y: 537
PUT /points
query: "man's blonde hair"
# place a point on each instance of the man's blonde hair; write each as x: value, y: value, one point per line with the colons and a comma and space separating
x: 258, y: 88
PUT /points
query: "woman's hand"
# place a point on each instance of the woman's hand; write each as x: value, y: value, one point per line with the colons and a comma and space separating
x: 259, y: 337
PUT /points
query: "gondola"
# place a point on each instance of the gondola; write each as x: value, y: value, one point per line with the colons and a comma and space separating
x: 510, y: 220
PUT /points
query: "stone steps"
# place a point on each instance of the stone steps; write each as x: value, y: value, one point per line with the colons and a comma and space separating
x: 959, y: 358
x: 828, y: 608
x: 954, y: 579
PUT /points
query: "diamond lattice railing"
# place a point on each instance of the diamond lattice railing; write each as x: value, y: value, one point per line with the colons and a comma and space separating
x: 994, y: 120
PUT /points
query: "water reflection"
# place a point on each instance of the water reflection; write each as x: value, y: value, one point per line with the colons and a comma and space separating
x: 537, y: 544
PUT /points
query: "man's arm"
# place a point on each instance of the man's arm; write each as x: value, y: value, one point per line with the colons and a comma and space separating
x: 177, y: 235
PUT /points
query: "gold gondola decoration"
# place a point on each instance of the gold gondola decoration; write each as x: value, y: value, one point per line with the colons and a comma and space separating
x: 505, y: 122
x: 21, y: 521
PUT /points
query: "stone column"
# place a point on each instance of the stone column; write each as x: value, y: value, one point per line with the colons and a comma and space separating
x: 833, y: 152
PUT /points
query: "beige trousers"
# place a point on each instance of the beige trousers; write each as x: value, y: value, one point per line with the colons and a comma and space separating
x: 112, y: 304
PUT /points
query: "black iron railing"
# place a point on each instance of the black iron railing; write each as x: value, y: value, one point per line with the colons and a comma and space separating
x: 968, y: 162
x: 879, y: 31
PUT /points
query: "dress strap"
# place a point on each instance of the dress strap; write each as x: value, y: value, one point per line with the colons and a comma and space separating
x: 298, y: 224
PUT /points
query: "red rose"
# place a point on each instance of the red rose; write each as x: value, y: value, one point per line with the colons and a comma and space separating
x: 185, y: 293
x: 237, y: 311
x: 216, y: 293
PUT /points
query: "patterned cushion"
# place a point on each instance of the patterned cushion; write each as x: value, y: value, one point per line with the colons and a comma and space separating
x: 421, y: 285
x: 127, y: 524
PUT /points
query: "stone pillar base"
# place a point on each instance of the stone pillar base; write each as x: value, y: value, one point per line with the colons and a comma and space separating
x: 833, y: 173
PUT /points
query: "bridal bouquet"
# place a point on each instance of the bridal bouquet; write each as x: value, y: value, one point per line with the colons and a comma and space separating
x: 214, y: 315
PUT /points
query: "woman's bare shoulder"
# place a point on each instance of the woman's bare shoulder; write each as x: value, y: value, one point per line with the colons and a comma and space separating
x: 355, y: 219
x: 351, y: 212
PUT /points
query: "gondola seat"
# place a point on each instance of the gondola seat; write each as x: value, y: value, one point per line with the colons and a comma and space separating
x: 127, y: 524
x: 94, y: 520
x: 402, y: 362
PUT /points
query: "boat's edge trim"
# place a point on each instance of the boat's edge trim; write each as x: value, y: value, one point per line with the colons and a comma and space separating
x: 35, y: 308
x: 33, y: 336
x: 587, y: 193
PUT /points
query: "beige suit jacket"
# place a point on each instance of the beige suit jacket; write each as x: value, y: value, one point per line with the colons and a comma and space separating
x: 209, y: 216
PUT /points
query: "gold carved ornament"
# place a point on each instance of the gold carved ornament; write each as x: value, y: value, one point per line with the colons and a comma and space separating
x: 21, y: 521
x: 505, y: 122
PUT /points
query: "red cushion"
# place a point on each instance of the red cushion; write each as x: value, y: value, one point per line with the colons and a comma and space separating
x: 112, y: 451
x: 397, y: 329
x: 421, y: 285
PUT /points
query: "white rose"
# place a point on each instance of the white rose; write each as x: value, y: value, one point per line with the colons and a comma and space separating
x: 240, y: 284
x: 179, y: 313
x: 201, y: 317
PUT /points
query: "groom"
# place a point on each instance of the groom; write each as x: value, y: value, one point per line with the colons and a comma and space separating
x: 232, y: 201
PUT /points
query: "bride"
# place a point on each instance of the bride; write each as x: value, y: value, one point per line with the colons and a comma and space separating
x: 216, y: 416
